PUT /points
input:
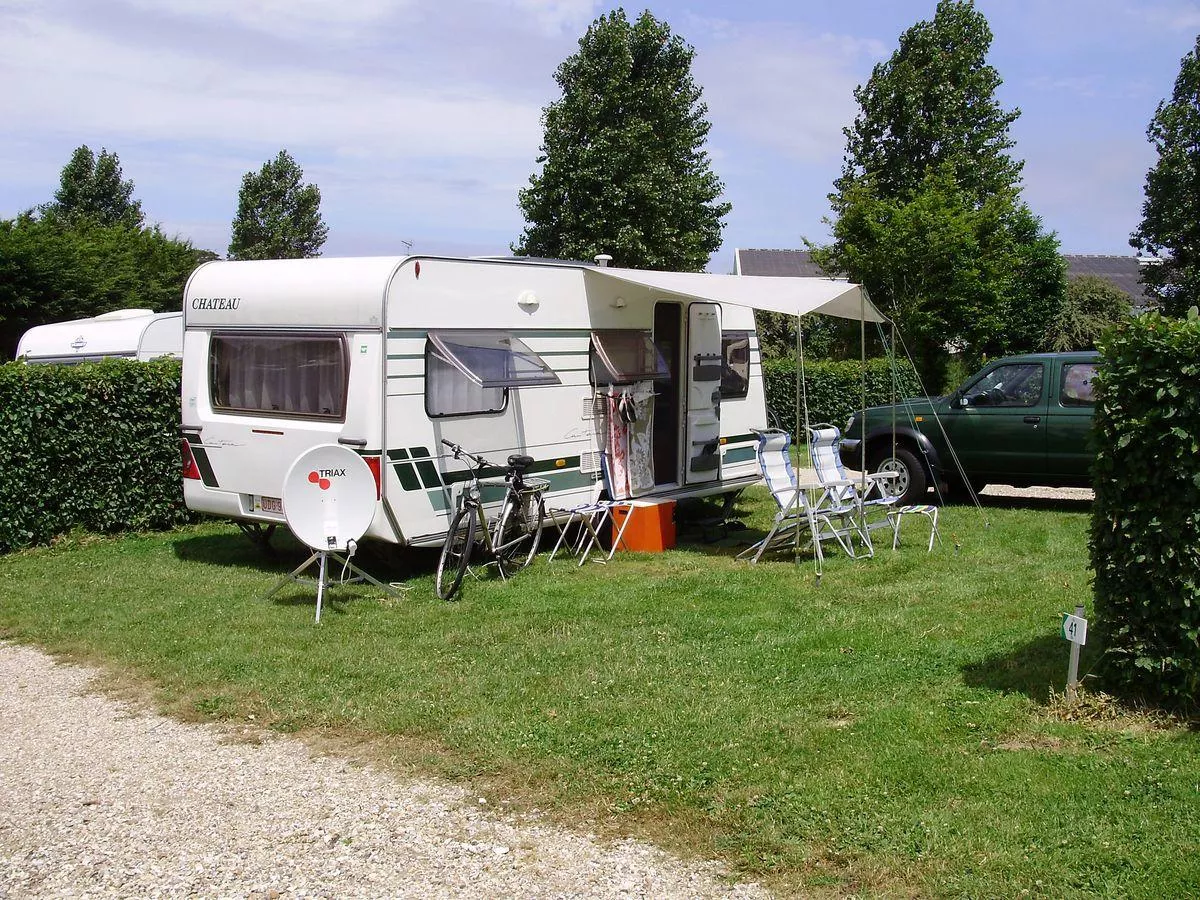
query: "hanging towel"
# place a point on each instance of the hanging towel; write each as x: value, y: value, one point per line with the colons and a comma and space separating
x: 618, y: 451
x: 641, y: 447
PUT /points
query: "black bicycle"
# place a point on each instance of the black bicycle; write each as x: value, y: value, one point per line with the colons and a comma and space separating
x: 511, y: 541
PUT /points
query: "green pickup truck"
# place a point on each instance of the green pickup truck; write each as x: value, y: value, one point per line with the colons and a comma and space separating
x: 1022, y: 420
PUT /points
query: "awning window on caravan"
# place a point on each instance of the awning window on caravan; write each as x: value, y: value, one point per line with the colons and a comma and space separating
x: 735, y: 364
x: 292, y: 375
x: 493, y: 359
x: 625, y: 356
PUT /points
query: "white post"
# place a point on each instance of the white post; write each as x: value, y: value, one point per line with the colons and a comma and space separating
x: 1073, y: 665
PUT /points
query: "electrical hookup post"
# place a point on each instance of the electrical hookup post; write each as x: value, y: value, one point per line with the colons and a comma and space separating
x: 1074, y: 630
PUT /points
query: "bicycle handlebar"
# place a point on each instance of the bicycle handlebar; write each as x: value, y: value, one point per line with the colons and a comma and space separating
x: 459, y: 452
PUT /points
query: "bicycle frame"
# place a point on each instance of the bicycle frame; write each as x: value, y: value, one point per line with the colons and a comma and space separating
x: 514, y: 511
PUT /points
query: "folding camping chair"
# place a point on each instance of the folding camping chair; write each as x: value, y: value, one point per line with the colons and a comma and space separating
x: 825, y: 452
x: 797, y: 513
x: 868, y: 495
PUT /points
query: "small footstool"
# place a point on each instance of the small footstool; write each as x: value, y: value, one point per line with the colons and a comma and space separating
x: 895, y: 516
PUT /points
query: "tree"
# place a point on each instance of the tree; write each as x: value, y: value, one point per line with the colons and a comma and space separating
x: 1170, y: 228
x: 928, y: 208
x: 49, y: 273
x: 1091, y: 306
x: 624, y: 170
x: 278, y: 216
x: 92, y: 190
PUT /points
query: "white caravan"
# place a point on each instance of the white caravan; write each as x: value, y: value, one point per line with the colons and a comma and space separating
x: 140, y: 334
x: 656, y: 372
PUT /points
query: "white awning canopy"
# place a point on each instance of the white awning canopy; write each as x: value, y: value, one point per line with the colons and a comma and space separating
x: 792, y: 296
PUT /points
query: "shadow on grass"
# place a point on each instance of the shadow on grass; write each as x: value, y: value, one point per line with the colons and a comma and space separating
x: 233, y: 549
x: 1031, y: 669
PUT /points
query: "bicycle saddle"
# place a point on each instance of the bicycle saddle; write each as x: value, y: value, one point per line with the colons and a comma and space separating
x: 520, y: 462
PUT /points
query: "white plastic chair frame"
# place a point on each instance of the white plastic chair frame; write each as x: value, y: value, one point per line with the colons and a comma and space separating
x: 592, y: 517
x: 798, y: 513
x: 867, y: 494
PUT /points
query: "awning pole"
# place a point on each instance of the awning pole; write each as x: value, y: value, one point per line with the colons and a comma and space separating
x: 862, y: 346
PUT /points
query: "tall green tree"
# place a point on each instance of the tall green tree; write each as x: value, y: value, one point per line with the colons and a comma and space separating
x: 1170, y: 228
x: 928, y: 206
x: 278, y: 215
x: 623, y: 165
x: 92, y: 190
x: 50, y: 273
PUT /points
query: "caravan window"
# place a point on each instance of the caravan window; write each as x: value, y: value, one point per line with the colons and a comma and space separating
x: 470, y: 372
x: 625, y: 356
x: 282, y: 375
x: 735, y: 364
x: 492, y: 359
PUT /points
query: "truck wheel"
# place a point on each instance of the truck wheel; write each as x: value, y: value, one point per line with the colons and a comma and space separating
x: 910, y: 483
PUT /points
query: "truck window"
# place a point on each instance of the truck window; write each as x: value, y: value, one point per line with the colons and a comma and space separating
x: 278, y: 375
x: 1077, y: 387
x: 735, y: 364
x: 1014, y: 384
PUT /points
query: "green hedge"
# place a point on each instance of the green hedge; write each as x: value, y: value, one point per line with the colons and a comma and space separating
x: 834, y: 388
x: 1145, y: 531
x: 94, y: 446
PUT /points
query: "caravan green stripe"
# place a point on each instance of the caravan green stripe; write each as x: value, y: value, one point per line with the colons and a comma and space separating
x: 404, y: 470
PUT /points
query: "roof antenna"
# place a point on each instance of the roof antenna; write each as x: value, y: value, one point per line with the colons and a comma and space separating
x: 603, y: 259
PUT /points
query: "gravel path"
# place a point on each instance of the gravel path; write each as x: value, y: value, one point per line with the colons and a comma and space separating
x: 99, y: 799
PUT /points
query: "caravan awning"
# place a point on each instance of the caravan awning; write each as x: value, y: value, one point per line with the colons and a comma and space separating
x: 793, y: 296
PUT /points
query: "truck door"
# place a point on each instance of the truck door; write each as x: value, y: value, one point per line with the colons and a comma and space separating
x: 999, y: 425
x: 1072, y: 405
x: 702, y: 450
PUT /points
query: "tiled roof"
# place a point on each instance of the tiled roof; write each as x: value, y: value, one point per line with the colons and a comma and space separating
x: 1123, y: 272
x: 796, y: 263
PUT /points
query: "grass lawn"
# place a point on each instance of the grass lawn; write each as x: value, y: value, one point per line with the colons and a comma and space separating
x: 888, y: 732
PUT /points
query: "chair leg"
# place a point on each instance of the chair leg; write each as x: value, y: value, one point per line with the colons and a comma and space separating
x: 619, y: 536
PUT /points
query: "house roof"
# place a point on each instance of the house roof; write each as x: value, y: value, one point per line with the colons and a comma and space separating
x: 1124, y: 272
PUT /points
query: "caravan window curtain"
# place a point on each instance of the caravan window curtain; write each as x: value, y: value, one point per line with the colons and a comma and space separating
x: 279, y: 375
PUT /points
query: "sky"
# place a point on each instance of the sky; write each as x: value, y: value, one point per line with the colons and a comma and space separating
x: 421, y: 120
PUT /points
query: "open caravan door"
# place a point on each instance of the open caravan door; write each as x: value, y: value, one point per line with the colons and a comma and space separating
x: 703, y: 430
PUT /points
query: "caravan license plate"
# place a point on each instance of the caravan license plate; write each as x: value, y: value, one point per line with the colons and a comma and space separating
x: 270, y: 504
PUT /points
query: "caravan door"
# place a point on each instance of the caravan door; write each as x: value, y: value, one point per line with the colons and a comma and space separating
x: 702, y: 441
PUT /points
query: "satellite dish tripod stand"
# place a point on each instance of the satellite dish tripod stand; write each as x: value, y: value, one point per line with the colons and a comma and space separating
x: 322, y: 581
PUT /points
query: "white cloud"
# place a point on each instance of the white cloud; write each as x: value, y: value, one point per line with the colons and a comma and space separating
x: 1176, y: 17
x: 89, y: 85
x: 787, y: 90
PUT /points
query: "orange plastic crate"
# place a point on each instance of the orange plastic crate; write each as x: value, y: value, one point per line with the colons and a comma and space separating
x: 651, y: 527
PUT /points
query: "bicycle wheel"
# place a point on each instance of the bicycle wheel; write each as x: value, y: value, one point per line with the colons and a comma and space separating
x: 456, y: 553
x: 520, y: 531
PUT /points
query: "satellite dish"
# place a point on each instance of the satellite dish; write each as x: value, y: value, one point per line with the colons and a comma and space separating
x: 329, y: 500
x: 329, y: 497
